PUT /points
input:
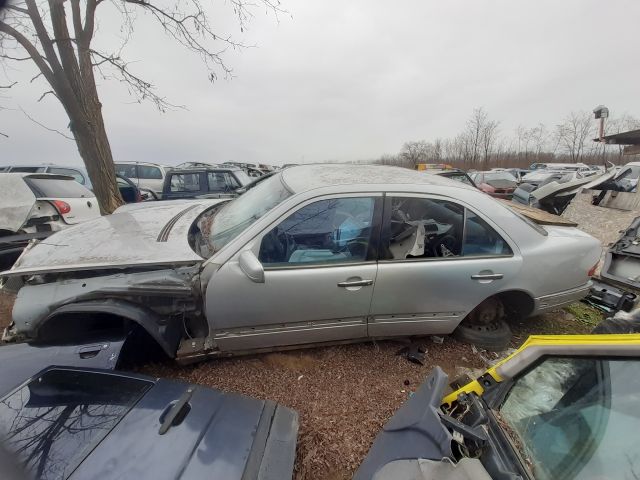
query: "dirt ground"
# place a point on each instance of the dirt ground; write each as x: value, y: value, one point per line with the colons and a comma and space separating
x: 345, y: 394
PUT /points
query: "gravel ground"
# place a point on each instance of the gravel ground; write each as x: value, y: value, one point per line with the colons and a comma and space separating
x: 343, y: 394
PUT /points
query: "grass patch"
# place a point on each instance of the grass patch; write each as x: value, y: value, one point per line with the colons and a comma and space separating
x: 585, y: 313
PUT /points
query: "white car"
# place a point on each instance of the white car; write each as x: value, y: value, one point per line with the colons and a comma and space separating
x: 34, y: 205
x: 149, y: 176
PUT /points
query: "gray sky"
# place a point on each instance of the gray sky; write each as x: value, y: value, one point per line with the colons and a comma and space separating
x: 350, y: 80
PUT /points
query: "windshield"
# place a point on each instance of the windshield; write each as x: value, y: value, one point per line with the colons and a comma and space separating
x: 488, y: 176
x: 216, y: 227
x: 577, y: 418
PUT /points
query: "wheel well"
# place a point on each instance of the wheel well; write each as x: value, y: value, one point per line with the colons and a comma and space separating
x: 518, y: 304
x: 75, y: 327
x: 72, y: 327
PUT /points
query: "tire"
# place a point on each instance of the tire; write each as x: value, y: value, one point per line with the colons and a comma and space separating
x: 485, y: 327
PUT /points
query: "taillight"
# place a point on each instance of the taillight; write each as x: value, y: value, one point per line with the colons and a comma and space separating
x: 62, y: 207
x: 592, y: 270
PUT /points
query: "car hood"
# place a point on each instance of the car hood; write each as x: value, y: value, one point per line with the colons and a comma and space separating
x: 145, y: 237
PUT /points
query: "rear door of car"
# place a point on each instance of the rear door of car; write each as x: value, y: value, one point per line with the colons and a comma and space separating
x: 320, y: 267
x: 439, y: 259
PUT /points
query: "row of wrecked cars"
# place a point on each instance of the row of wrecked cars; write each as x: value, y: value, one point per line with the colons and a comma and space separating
x: 312, y: 255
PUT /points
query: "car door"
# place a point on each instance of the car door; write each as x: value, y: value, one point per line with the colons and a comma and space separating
x: 318, y: 267
x: 439, y: 259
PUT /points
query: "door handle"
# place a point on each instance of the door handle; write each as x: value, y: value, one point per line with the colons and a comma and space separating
x: 487, y: 276
x: 356, y: 283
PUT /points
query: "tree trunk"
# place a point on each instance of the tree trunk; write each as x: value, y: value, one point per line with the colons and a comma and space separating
x: 93, y: 146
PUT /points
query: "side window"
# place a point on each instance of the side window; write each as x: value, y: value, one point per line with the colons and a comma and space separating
x: 481, y: 239
x: 77, y: 176
x: 149, y: 173
x: 424, y: 228
x: 325, y: 232
x: 221, y: 182
x: 126, y: 170
x: 185, y: 182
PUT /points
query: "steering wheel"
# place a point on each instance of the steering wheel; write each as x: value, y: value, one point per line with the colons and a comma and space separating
x: 445, y: 246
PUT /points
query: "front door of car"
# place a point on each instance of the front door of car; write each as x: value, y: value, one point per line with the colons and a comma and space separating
x: 308, y: 278
x: 438, y: 260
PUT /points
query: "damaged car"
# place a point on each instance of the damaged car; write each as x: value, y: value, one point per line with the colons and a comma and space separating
x: 560, y: 407
x: 81, y: 419
x: 497, y: 183
x: 311, y: 255
x: 34, y: 205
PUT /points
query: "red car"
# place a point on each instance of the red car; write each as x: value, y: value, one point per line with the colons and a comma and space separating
x: 498, y: 184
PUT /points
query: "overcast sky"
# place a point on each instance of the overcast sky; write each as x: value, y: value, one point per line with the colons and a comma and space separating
x: 338, y: 80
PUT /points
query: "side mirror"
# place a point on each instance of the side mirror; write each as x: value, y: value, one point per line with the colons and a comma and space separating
x: 251, y: 266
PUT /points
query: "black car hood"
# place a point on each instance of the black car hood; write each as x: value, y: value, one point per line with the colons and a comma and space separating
x: 414, y: 431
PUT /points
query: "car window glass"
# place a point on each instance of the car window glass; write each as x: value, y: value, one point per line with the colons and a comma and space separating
x: 424, y: 228
x: 576, y: 418
x: 221, y: 182
x: 149, y: 173
x: 78, y: 177
x: 185, y: 182
x: 481, y: 239
x: 27, y: 169
x: 126, y: 170
x: 242, y: 177
x: 325, y: 232
x: 52, y: 423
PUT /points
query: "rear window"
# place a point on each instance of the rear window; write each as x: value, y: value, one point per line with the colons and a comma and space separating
x: 149, y: 173
x: 69, y: 171
x: 57, y: 188
x: 55, y: 421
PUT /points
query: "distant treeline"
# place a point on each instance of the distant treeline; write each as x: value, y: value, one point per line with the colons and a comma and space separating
x: 481, y: 145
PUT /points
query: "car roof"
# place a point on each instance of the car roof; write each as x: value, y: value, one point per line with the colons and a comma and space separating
x: 308, y: 177
x: 125, y: 162
x: 203, y: 169
x: 47, y: 176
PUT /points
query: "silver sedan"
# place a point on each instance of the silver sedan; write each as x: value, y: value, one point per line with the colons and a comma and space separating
x: 311, y: 255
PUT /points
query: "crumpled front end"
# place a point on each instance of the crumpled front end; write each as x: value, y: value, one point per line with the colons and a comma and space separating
x: 64, y: 306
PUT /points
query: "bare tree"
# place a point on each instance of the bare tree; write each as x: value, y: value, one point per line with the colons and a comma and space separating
x: 57, y: 36
x: 489, y: 137
x: 573, y: 133
x: 413, y: 153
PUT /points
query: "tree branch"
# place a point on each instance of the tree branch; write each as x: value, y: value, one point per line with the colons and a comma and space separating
x: 142, y: 89
x: 45, y: 127
x: 30, y: 49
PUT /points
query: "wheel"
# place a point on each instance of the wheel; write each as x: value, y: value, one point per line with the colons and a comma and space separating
x: 485, y: 326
